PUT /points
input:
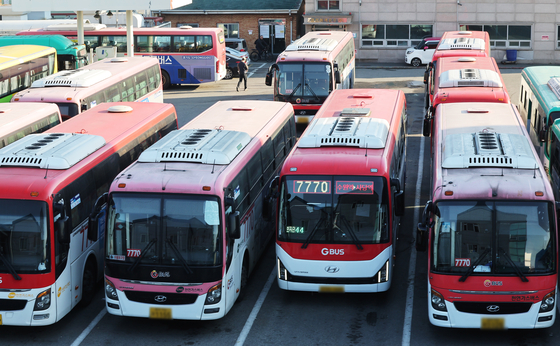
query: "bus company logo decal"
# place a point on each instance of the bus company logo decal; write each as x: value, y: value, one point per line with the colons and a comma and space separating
x: 230, y: 283
x: 298, y: 100
x: 488, y: 283
x: 332, y: 269
x: 338, y: 252
x: 160, y: 298
x: 11, y: 295
x: 165, y: 60
x: 155, y: 274
x: 493, y: 308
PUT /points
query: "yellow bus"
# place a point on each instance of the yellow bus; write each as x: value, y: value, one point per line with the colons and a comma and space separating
x: 21, y: 65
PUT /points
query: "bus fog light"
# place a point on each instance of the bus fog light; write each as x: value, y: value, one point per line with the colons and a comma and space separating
x: 437, y: 301
x: 43, y: 301
x: 110, y: 290
x: 547, y: 303
x: 214, y: 294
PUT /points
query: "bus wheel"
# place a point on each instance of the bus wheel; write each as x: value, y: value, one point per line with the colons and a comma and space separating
x: 229, y: 74
x: 416, y: 62
x: 244, y: 278
x: 165, y: 79
x: 89, y: 282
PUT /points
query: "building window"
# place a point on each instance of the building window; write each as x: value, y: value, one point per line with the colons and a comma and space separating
x: 231, y: 30
x: 325, y: 5
x: 193, y: 25
x: 505, y: 36
x: 394, y: 35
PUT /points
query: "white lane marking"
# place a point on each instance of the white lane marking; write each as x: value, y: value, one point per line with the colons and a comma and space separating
x: 253, y: 316
x: 255, y: 70
x: 412, y: 263
x: 89, y: 328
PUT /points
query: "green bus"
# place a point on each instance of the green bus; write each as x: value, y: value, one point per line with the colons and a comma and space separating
x: 70, y: 55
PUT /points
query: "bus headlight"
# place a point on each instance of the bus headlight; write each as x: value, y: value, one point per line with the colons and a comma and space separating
x: 43, y: 300
x: 214, y: 294
x: 383, y: 273
x: 110, y: 290
x: 282, y: 272
x: 547, y: 303
x: 438, y: 302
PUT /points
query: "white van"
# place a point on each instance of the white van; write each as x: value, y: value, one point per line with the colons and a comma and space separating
x: 422, y: 53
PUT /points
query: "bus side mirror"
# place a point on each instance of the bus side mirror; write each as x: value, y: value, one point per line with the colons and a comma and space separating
x: 93, y: 222
x: 337, y: 78
x: 542, y: 133
x: 423, y: 228
x: 234, y: 228
x: 396, y: 183
x: 426, y: 76
x: 228, y: 201
x: 399, y: 203
x: 268, y: 200
x: 269, y: 74
x: 427, y: 126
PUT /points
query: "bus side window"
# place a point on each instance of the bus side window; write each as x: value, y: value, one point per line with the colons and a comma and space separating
x: 279, y: 147
x: 141, y: 84
x: 267, y: 158
x: 128, y: 90
x: 239, y: 190
x: 153, y: 81
x: 114, y: 94
x: 254, y: 169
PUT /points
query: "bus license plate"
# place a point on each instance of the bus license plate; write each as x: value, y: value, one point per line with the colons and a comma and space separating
x: 331, y: 289
x: 492, y: 323
x: 160, y: 313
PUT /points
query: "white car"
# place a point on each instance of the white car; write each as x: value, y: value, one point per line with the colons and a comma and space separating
x: 423, y: 52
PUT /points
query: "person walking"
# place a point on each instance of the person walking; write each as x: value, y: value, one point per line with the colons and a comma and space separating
x: 242, y: 67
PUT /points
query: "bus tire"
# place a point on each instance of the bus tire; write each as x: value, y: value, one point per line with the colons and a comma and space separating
x: 89, y: 282
x: 165, y: 79
x: 244, y: 278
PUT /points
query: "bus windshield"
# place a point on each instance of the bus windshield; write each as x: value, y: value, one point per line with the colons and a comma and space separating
x: 24, y: 241
x: 488, y: 238
x: 164, y: 229
x: 304, y: 80
x: 333, y: 210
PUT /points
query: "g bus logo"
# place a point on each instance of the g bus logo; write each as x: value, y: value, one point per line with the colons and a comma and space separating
x: 488, y: 283
x: 338, y: 252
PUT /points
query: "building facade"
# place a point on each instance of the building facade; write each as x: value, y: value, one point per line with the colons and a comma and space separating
x: 279, y: 22
x: 383, y: 29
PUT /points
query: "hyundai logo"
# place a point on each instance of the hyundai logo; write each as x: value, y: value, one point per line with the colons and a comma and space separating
x: 493, y: 308
x: 331, y: 269
x: 160, y: 298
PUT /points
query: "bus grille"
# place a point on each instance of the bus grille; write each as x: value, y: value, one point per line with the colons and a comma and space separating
x: 170, y: 298
x: 12, y: 304
x: 202, y: 73
x: 332, y: 281
x: 482, y: 307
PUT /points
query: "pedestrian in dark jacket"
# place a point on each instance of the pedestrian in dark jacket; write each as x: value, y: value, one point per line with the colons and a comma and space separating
x: 242, y: 67
x: 261, y: 45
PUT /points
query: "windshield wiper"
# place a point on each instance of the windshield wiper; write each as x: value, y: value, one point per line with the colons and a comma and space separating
x: 11, y: 268
x: 473, y: 265
x: 178, y: 253
x: 310, y: 236
x: 308, y: 87
x: 515, y: 267
x: 349, y: 228
x: 295, y: 89
x: 144, y: 252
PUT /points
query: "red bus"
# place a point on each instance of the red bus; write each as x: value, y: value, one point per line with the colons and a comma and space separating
x: 490, y: 225
x: 342, y: 195
x: 186, y: 55
x: 49, y: 184
x: 464, y: 79
x: 311, y: 68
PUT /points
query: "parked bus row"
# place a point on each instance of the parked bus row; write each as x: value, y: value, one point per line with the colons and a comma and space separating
x: 490, y: 225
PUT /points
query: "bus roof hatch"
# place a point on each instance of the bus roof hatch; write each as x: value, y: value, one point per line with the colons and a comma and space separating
x: 467, y: 43
x: 50, y: 150
x: 470, y: 77
x: 72, y: 78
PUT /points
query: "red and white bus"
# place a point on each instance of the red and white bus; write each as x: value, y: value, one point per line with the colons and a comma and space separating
x: 342, y: 195
x: 50, y: 258
x: 187, y: 55
x: 457, y: 44
x: 108, y: 80
x: 490, y: 226
x: 17, y: 120
x: 311, y: 68
x: 189, y: 220
x: 464, y: 79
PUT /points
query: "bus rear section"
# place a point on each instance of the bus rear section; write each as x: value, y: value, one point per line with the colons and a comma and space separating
x: 464, y: 79
x: 342, y: 195
x: 490, y: 226
x: 131, y: 79
x: 311, y: 68
x: 188, y: 222
x: 52, y: 255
